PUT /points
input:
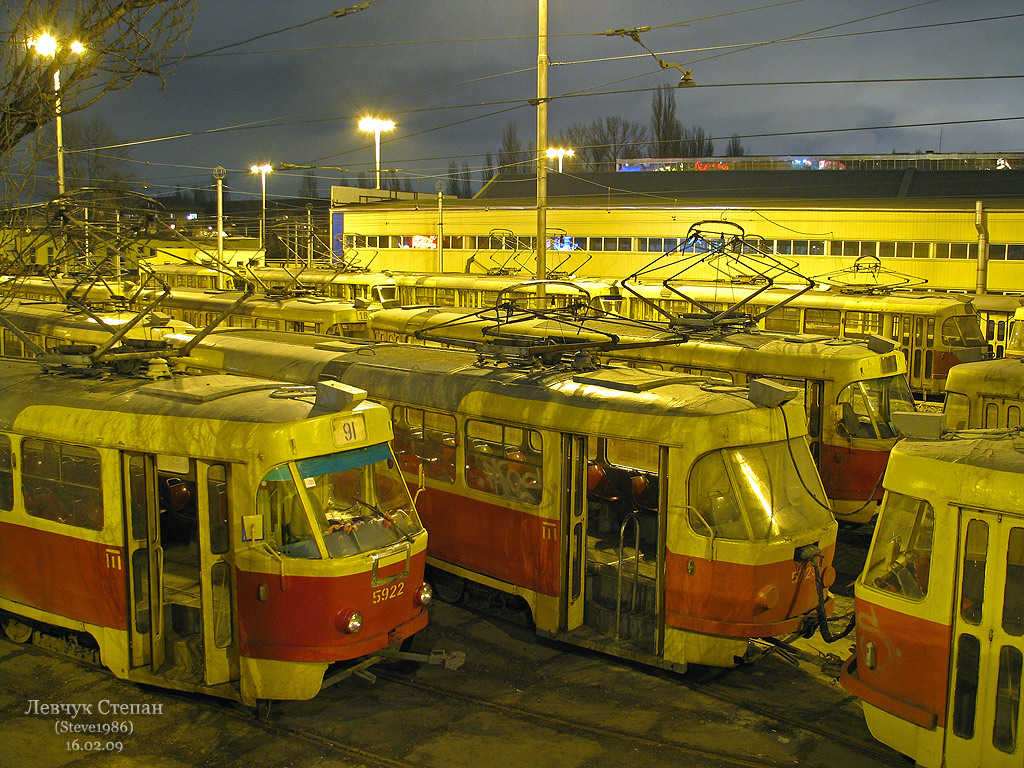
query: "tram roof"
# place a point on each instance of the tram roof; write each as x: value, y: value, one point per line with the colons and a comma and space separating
x: 442, y: 378
x: 217, y: 397
x: 1003, y: 377
x: 999, y: 450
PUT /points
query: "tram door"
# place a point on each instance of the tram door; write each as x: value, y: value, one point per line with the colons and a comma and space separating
x: 574, y: 525
x: 180, y: 586
x: 984, y: 715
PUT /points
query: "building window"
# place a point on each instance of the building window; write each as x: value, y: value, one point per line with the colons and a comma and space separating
x: 503, y: 460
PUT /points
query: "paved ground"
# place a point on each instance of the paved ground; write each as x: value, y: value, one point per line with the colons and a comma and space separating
x: 519, y: 702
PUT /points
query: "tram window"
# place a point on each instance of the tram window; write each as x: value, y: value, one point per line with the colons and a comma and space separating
x: 13, y: 346
x: 62, y: 483
x: 824, y: 321
x: 886, y: 249
x: 962, y: 331
x: 784, y: 320
x: 1013, y: 416
x: 217, y: 502
x: 223, y: 621
x: 1004, y: 728
x: 991, y: 416
x: 756, y: 492
x: 6, y: 475
x: 1013, y: 591
x: 140, y: 584
x: 957, y: 410
x: 972, y: 579
x: 504, y: 460
x: 867, y: 407
x: 965, y: 692
x: 901, y: 551
x: 859, y: 325
x: 427, y: 439
x: 139, y: 497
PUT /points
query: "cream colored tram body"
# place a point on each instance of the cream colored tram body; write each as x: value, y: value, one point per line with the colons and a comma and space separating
x: 940, y: 604
x: 849, y: 390
x: 655, y: 516
x: 212, y: 533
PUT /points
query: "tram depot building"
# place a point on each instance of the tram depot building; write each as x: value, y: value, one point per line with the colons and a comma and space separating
x: 924, y: 216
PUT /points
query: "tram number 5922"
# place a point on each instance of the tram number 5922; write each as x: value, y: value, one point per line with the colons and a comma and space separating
x: 388, y: 592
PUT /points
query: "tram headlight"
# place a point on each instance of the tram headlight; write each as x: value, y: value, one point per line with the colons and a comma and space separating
x: 424, y: 594
x: 767, y: 597
x: 349, y: 622
x: 870, y: 655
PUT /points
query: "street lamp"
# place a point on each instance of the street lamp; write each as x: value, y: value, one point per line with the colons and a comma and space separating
x: 262, y: 170
x: 47, y: 45
x: 560, y: 153
x: 375, y: 126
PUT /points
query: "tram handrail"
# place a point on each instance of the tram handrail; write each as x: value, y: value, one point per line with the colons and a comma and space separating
x: 634, y: 518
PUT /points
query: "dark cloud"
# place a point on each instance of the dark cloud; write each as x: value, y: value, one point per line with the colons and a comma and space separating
x: 296, y: 97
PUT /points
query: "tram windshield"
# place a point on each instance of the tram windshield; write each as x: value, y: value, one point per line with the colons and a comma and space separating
x: 902, y: 547
x: 352, y: 502
x: 867, y: 407
x: 757, y: 492
x: 1015, y: 344
x: 962, y: 331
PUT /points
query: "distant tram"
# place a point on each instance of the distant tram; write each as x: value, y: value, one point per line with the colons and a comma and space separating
x: 303, y: 314
x: 940, y: 604
x: 934, y: 331
x: 215, y: 534
x: 985, y: 395
x: 655, y: 516
x: 849, y: 390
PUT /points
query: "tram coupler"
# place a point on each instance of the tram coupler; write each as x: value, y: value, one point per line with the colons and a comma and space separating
x: 437, y: 657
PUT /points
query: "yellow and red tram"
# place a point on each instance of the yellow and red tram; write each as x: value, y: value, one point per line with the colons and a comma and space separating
x: 656, y: 516
x: 940, y: 603
x: 212, y: 533
x: 850, y: 389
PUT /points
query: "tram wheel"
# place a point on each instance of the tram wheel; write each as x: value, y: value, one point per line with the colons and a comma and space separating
x: 16, y: 630
x: 448, y: 587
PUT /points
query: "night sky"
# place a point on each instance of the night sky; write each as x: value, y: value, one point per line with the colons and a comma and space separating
x: 454, y: 73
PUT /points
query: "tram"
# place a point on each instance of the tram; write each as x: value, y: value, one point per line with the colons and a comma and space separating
x: 64, y: 289
x: 996, y: 312
x: 934, y: 331
x: 476, y: 291
x: 850, y: 388
x: 208, y: 533
x: 239, y: 309
x: 940, y: 603
x: 50, y: 325
x: 659, y: 517
x: 367, y: 289
x: 988, y: 394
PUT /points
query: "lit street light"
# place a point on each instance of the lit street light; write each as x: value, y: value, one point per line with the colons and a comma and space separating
x: 262, y: 170
x: 375, y: 126
x: 47, y: 45
x: 560, y: 153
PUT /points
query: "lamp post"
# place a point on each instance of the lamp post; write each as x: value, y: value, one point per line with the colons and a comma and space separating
x: 47, y: 45
x: 560, y: 153
x: 262, y: 170
x: 375, y: 126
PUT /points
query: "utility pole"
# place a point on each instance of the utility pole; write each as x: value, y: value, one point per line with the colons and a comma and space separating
x: 542, y: 146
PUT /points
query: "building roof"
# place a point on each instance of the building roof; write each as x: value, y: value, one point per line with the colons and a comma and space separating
x: 681, y: 187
